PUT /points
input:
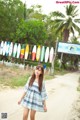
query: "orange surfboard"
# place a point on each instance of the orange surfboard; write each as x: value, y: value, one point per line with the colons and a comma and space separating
x: 34, y: 53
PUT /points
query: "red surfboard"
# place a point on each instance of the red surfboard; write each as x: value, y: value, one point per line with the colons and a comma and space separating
x: 34, y: 53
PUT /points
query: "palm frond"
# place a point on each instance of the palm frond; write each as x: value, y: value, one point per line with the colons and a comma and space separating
x: 60, y: 28
x: 77, y: 20
x: 75, y: 13
x: 71, y: 10
x: 76, y: 27
x: 57, y: 14
x: 58, y: 20
x: 72, y: 30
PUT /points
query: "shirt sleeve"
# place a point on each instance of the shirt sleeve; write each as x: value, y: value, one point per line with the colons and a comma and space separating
x: 43, y: 92
x: 26, y: 85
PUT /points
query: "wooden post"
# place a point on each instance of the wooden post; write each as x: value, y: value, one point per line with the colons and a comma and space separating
x: 52, y: 64
x: 61, y: 60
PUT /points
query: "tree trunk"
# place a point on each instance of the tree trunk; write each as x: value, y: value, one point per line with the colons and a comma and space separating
x: 65, y: 35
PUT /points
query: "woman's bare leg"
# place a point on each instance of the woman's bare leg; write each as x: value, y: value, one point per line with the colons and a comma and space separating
x: 25, y: 114
x: 32, y: 114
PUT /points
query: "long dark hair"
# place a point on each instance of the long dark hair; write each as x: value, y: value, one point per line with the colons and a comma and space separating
x: 40, y: 77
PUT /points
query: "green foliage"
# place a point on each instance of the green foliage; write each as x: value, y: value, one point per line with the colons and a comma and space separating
x: 74, y: 40
x: 12, y: 16
x: 31, y: 31
x: 11, y: 12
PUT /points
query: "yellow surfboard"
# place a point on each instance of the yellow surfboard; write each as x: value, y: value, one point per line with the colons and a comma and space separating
x: 26, y: 51
x: 38, y: 53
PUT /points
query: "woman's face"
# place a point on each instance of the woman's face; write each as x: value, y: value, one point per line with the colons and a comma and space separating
x: 38, y: 71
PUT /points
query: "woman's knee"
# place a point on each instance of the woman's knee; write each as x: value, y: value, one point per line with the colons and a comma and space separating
x: 32, y: 115
x: 25, y: 114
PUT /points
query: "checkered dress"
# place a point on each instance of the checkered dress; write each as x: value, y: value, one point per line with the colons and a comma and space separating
x: 34, y: 98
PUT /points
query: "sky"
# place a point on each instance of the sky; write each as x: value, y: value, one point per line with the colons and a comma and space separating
x: 53, y: 5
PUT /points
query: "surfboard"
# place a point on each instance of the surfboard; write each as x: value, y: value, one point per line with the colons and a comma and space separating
x: 38, y: 52
x: 18, y: 50
x: 4, y: 48
x: 15, y: 50
x: 26, y: 51
x: 34, y: 53
x: 42, y: 53
x: 51, y: 55
x: 22, y: 51
x: 47, y: 54
x: 30, y: 52
x: 7, y: 48
x: 1, y: 47
x: 10, y: 48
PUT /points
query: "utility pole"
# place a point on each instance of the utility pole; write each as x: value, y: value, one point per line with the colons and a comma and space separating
x: 55, y: 52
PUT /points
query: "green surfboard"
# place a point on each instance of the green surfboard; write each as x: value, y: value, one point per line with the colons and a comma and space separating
x: 42, y: 54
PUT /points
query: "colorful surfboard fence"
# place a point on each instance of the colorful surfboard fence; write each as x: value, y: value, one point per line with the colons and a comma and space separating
x: 27, y: 52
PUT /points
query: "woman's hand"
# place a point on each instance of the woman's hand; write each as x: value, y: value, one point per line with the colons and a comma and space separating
x: 45, y: 109
x: 19, y: 102
x: 44, y: 105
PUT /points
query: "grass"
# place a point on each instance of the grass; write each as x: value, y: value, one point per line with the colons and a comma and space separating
x: 15, y: 77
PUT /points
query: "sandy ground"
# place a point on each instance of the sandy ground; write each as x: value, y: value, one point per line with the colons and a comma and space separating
x: 62, y: 94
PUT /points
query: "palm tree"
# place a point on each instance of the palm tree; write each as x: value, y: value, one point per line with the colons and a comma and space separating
x: 66, y: 23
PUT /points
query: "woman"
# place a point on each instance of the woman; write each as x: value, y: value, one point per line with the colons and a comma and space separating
x: 34, y: 96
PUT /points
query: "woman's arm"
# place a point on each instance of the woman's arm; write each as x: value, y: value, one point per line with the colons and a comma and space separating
x: 23, y: 95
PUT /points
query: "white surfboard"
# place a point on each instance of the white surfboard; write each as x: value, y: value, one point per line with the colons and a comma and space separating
x: 15, y: 50
x: 47, y: 54
x: 51, y: 54
x: 7, y: 48
x: 1, y: 47
x: 10, y: 48
x: 42, y: 54
x: 4, y: 48
x: 18, y: 50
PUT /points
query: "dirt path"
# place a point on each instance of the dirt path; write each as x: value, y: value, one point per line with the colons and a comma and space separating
x: 61, y: 96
